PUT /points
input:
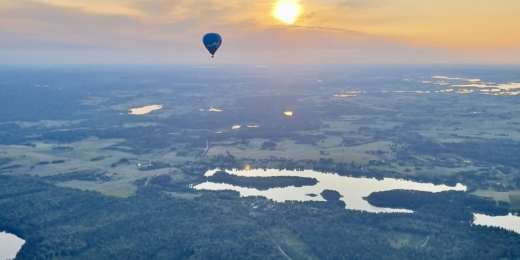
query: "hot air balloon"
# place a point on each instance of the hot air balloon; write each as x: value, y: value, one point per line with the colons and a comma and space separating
x: 212, y: 42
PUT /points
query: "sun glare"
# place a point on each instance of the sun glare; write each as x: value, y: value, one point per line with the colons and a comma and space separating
x: 287, y: 11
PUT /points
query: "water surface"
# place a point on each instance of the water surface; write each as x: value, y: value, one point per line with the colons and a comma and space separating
x: 144, y: 110
x: 352, y: 189
x: 9, y: 245
x: 509, y: 222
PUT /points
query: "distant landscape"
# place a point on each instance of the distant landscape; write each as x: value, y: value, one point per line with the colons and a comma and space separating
x: 102, y: 163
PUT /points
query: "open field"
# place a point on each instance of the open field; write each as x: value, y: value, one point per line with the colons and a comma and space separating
x: 80, y: 174
x: 290, y: 150
x: 188, y: 196
x: 386, y: 127
x: 501, y: 196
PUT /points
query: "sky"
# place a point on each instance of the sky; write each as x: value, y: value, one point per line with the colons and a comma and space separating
x: 324, y: 31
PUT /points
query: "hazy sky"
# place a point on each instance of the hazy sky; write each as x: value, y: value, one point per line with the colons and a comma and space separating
x: 326, y: 31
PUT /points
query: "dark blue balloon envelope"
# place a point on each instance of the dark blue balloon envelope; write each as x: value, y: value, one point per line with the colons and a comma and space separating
x: 212, y: 42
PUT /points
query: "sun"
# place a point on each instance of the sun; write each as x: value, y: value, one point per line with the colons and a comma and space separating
x: 287, y: 11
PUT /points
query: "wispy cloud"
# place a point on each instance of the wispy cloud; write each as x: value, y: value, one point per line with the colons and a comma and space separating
x: 327, y: 30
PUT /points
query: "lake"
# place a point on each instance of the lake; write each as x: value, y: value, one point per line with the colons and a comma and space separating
x: 9, y: 245
x: 509, y: 222
x: 352, y: 189
x: 144, y: 110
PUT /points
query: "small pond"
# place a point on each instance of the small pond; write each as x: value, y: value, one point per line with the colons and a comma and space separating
x: 144, y: 110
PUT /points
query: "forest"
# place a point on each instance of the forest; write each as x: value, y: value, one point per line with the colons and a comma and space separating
x: 71, y: 126
x: 62, y: 223
x: 451, y: 204
x: 82, y: 175
x: 262, y: 183
x: 490, y: 151
x: 71, y: 224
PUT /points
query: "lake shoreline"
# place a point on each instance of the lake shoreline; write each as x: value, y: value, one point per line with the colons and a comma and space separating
x: 10, y: 244
x: 353, y: 189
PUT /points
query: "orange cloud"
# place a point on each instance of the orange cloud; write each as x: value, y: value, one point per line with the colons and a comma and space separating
x: 434, y: 23
x: 326, y: 30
